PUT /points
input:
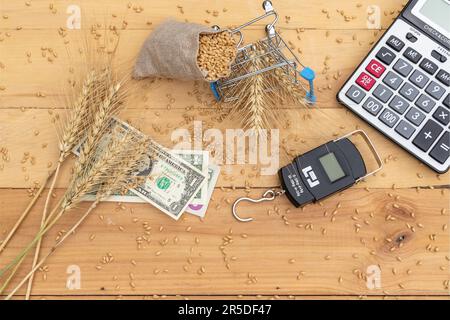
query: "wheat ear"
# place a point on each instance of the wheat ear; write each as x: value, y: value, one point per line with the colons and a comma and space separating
x: 254, y: 101
x: 127, y: 153
x: 100, y: 96
x: 83, y: 182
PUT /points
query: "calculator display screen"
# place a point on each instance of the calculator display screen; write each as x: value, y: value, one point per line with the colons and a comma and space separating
x: 434, y: 12
x: 332, y: 167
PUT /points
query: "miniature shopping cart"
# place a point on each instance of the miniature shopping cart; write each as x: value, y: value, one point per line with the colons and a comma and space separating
x: 273, y: 51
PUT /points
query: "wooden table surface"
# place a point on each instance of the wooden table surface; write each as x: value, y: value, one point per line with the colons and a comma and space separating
x: 322, y: 250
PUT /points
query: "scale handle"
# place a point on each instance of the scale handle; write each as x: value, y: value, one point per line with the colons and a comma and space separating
x: 371, y: 147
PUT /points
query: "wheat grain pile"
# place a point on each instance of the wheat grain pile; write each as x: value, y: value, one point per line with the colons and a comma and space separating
x: 216, y: 53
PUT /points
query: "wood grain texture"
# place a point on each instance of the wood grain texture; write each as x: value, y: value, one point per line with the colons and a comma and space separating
x: 333, y: 61
x: 287, y: 253
x: 278, y: 246
x: 44, y: 15
x: 39, y: 140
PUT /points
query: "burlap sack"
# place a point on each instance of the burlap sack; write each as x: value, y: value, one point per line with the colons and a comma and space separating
x: 171, y: 52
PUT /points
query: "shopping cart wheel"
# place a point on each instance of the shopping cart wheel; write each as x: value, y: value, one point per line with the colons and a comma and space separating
x: 309, y: 75
x: 213, y: 86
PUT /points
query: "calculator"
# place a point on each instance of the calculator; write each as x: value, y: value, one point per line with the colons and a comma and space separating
x: 402, y: 87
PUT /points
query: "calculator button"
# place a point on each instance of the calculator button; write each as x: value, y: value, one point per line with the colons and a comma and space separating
x: 365, y: 81
x: 419, y: 79
x: 415, y: 116
x: 395, y: 43
x: 443, y: 77
x: 385, y: 55
x: 446, y: 101
x: 403, y: 67
x: 411, y: 37
x: 372, y: 106
x: 427, y: 135
x: 435, y: 90
x: 355, y: 94
x: 412, y: 55
x: 425, y: 103
x: 441, y: 150
x: 405, y: 129
x: 439, y: 57
x: 389, y: 118
x: 399, y: 104
x: 383, y: 93
x: 375, y: 68
x: 393, y: 80
x: 409, y: 92
x: 442, y: 115
x: 429, y: 66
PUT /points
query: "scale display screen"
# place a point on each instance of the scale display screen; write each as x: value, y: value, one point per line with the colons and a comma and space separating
x: 436, y: 13
x: 332, y: 167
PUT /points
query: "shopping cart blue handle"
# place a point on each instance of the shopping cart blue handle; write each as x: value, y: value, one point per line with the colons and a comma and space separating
x: 213, y: 86
x: 309, y: 75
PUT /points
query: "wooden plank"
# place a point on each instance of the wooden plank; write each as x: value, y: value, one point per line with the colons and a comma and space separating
x: 293, y: 14
x: 294, y: 256
x: 332, y: 60
x: 32, y: 132
x: 419, y: 268
x: 231, y: 297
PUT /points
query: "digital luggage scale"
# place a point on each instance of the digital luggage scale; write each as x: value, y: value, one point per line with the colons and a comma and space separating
x: 319, y: 173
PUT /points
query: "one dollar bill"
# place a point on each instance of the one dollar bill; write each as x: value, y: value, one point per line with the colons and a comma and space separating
x: 170, y: 183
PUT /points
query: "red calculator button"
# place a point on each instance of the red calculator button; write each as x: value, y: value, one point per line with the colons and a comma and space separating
x: 365, y: 81
x: 375, y: 68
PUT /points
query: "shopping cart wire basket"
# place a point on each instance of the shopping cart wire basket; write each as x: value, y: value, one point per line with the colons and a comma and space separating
x: 276, y: 54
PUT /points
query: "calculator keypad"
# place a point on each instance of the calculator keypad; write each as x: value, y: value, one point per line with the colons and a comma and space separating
x: 415, y: 116
x: 435, y: 90
x: 442, y: 115
x: 441, y: 151
x: 389, y: 118
x: 419, y: 79
x: 393, y: 80
x: 385, y: 55
x: 399, y: 104
x: 444, y: 77
x: 404, y: 92
x: 395, y: 43
x: 428, y: 66
x: 365, y: 81
x: 405, y: 129
x: 355, y: 94
x: 403, y: 67
x: 375, y: 68
x: 427, y: 135
x: 412, y: 55
x: 382, y: 93
x: 425, y: 103
x: 409, y: 92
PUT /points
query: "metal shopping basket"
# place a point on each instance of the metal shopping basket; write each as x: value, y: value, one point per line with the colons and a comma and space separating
x: 275, y: 53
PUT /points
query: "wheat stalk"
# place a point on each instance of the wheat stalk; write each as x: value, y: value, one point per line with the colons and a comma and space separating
x: 254, y: 101
x: 99, y: 100
x: 110, y: 171
x: 73, y: 129
x: 71, y: 132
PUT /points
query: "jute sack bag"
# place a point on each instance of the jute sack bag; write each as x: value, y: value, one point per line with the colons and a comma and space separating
x: 171, y: 52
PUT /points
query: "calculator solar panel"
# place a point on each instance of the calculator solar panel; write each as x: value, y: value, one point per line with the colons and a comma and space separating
x: 402, y: 88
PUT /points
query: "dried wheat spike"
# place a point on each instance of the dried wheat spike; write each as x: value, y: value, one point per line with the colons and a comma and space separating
x: 255, y: 101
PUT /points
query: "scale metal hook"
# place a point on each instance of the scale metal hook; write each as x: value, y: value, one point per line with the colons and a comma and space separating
x: 269, y: 195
